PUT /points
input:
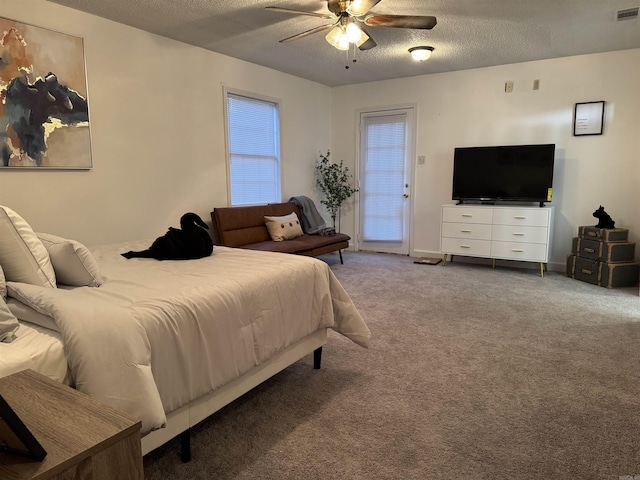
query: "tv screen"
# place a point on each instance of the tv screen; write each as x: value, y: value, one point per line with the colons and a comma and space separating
x: 503, y: 173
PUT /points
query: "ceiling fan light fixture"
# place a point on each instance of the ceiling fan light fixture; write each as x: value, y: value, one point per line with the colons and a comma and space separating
x: 354, y: 33
x: 420, y: 54
x: 337, y: 38
x: 343, y: 42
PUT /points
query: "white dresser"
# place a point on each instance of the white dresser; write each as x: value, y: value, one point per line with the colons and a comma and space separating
x: 497, y: 232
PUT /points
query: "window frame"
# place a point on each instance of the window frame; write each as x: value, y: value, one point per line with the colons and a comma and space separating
x: 227, y: 91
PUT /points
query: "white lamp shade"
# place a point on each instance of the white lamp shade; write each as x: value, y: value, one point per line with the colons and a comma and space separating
x: 363, y: 38
x: 353, y: 33
x: 337, y: 37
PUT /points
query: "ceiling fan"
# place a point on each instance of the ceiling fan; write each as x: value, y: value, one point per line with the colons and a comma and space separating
x: 349, y: 16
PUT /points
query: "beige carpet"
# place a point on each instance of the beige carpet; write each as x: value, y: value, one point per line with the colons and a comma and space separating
x: 473, y: 373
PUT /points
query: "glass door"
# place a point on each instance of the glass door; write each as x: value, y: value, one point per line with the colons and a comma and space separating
x: 384, y: 181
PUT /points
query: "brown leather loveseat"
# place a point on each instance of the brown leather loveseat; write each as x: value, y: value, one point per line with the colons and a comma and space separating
x: 244, y: 227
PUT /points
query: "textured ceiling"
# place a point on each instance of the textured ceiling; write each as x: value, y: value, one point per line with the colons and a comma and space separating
x: 469, y: 33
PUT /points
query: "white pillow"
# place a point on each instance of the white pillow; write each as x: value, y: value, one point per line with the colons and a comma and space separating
x: 26, y: 313
x: 8, y: 323
x: 72, y: 262
x: 22, y: 255
x: 283, y: 228
x: 3, y: 285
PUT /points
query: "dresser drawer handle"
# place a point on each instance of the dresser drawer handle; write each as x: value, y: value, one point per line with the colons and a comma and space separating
x: 467, y: 215
x: 519, y: 250
x: 585, y: 271
x: 465, y: 246
x: 465, y: 231
x: 518, y: 234
x: 520, y: 217
x: 589, y: 250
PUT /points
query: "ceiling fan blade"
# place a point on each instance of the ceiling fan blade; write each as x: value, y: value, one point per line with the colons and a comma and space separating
x: 307, y: 33
x: 299, y: 12
x: 360, y: 7
x: 400, y: 21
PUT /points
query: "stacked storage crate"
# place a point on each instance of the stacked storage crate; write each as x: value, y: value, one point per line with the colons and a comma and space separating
x: 604, y: 257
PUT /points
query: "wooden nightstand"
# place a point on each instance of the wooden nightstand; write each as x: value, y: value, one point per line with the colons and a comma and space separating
x: 84, y: 438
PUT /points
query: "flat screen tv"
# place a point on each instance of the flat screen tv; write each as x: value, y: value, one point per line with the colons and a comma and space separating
x: 509, y: 173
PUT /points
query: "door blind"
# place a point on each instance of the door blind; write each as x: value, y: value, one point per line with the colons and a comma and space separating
x: 381, y: 195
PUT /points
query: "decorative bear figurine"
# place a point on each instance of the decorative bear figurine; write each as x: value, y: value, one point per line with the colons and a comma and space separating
x: 604, y: 220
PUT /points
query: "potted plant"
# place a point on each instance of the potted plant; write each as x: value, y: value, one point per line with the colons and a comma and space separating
x: 334, y: 182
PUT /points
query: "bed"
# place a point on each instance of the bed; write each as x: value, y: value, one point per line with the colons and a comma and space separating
x: 168, y: 342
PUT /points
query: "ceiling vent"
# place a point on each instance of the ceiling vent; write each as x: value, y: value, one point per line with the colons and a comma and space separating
x: 627, y: 14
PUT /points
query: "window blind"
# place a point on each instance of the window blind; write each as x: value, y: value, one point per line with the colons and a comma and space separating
x: 254, y: 150
x: 381, y: 195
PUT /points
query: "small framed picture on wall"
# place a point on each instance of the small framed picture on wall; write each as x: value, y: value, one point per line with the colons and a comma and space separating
x: 588, y: 118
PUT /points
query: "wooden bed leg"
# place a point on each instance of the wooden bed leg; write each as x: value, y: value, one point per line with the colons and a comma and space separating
x: 317, y: 358
x: 185, y: 445
x: 340, y: 253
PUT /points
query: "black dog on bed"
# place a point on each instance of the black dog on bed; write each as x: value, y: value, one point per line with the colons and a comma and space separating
x: 189, y: 242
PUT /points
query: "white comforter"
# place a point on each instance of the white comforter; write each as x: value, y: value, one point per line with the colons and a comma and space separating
x: 157, y: 335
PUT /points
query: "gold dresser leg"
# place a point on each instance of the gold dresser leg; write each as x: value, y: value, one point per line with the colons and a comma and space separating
x: 542, y: 269
x: 444, y: 260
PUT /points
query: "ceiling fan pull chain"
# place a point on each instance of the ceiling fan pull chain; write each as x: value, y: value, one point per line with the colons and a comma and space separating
x: 353, y: 47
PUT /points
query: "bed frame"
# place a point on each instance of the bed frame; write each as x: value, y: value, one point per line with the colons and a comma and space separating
x: 181, y: 420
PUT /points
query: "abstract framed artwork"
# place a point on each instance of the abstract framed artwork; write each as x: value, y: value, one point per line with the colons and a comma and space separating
x: 44, y: 110
x: 588, y: 118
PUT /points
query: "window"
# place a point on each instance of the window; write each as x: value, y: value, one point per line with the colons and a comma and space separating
x: 254, y: 150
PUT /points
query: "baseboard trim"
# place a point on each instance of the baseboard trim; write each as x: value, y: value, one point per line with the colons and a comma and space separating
x: 551, y: 266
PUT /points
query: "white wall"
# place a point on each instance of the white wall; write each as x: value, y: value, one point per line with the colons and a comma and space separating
x: 156, y: 115
x: 471, y: 108
x: 157, y: 128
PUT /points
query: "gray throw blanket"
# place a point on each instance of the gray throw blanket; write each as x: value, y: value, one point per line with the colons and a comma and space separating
x: 312, y: 221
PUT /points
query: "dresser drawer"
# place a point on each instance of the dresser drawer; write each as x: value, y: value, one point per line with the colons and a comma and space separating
x: 477, y: 231
x: 513, y: 233
x: 532, y: 217
x: 467, y: 214
x: 530, y: 252
x: 470, y: 247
